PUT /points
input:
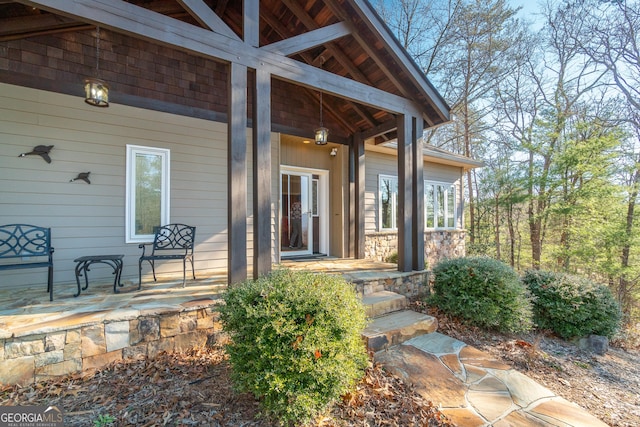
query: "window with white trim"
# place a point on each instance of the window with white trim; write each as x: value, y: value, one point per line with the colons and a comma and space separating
x: 440, y: 205
x: 147, y: 192
x: 388, y: 196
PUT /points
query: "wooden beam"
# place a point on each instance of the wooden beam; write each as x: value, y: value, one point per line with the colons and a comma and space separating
x: 405, y: 194
x: 417, y: 177
x: 261, y: 174
x: 359, y: 217
x: 237, y: 175
x: 309, y: 40
x: 120, y: 16
x: 251, y: 26
x: 207, y: 17
x: 416, y: 75
x: 380, y: 130
x: 336, y: 53
x: 320, y: 59
x: 36, y: 24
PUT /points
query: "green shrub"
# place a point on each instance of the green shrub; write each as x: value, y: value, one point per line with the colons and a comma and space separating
x: 484, y: 292
x: 393, y: 257
x: 572, y: 306
x: 295, y: 341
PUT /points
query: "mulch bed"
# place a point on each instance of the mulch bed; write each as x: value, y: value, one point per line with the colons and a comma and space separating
x: 194, y: 389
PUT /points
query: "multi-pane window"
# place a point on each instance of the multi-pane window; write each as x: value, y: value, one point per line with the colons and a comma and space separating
x: 388, y: 186
x: 440, y: 205
x: 147, y: 204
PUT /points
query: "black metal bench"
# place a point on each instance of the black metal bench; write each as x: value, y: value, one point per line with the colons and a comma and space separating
x: 171, y: 242
x: 22, y: 242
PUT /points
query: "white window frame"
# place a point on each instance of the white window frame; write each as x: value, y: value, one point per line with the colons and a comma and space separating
x: 449, y: 213
x: 130, y: 205
x: 394, y: 203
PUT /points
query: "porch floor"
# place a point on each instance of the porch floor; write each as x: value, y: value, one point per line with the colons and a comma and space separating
x: 28, y: 311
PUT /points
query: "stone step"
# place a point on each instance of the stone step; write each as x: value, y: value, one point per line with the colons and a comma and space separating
x: 384, y: 302
x: 395, y: 328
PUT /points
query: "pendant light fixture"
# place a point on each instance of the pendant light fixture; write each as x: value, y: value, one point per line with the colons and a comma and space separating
x: 96, y: 90
x: 322, y: 133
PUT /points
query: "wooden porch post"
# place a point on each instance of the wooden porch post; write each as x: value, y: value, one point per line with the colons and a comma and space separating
x: 356, y: 164
x: 261, y: 174
x: 418, y: 195
x: 237, y: 175
x: 405, y: 192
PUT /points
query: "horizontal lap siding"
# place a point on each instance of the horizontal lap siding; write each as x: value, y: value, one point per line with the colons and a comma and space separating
x: 89, y: 219
x: 375, y: 164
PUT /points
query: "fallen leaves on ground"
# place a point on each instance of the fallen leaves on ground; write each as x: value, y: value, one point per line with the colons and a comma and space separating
x: 193, y: 388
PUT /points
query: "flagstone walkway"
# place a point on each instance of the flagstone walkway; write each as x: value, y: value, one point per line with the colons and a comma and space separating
x: 473, y: 389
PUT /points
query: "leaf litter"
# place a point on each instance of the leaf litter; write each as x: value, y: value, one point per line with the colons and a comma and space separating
x: 193, y: 388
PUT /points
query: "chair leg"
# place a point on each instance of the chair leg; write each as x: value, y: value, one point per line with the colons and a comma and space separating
x: 193, y: 271
x: 50, y: 283
x: 139, y: 274
x: 184, y: 272
x: 153, y: 270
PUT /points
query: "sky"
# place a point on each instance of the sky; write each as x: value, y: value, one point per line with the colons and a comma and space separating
x: 529, y: 9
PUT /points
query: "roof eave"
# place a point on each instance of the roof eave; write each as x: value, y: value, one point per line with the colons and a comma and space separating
x: 377, y: 25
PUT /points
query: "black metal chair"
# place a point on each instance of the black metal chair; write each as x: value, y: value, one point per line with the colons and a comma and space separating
x: 171, y: 242
x: 23, y: 243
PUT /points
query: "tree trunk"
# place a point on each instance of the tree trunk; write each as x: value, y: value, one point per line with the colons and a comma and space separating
x: 512, y: 236
x: 535, y: 224
x: 467, y: 152
x: 497, y: 227
x: 563, y: 258
x: 624, y: 291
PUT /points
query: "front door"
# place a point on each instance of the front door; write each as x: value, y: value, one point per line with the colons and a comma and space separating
x: 297, y: 214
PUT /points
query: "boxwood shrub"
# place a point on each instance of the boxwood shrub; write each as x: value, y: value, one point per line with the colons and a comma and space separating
x: 572, y: 306
x: 295, y: 341
x: 484, y: 292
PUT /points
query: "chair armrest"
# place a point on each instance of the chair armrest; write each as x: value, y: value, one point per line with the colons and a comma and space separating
x: 143, y: 247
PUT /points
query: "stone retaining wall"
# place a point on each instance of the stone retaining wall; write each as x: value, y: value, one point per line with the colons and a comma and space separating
x: 79, y: 342
x: 29, y: 358
x: 438, y: 245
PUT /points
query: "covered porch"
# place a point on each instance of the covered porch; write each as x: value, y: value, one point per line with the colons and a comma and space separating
x: 42, y: 339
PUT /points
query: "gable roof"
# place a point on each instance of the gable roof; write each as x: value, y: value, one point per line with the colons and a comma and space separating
x: 339, y: 47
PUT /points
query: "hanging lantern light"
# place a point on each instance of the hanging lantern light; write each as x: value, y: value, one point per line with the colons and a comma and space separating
x: 96, y: 90
x: 322, y: 133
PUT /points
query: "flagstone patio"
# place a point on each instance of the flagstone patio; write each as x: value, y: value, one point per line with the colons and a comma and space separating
x: 28, y: 310
x: 41, y: 338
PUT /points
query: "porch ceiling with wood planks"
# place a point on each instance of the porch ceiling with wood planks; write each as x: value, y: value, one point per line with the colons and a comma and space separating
x: 339, y: 47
